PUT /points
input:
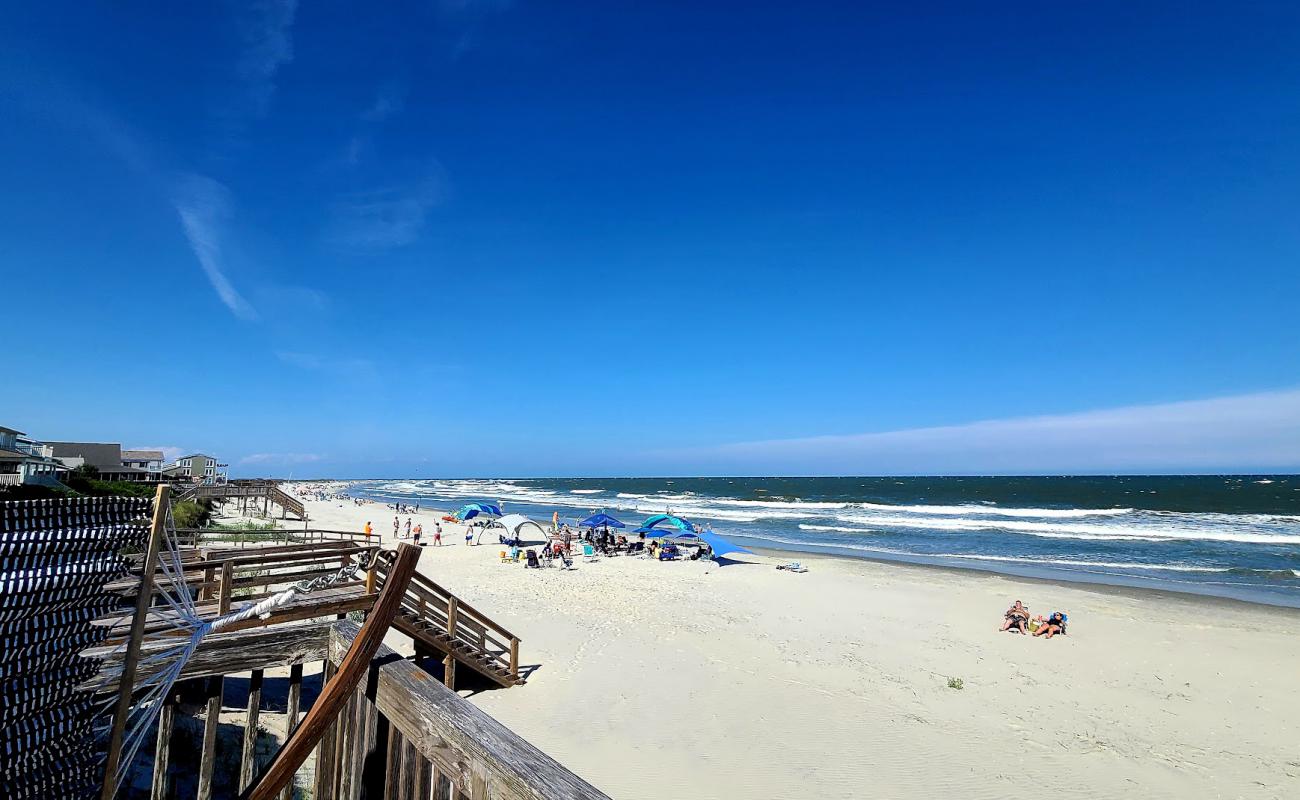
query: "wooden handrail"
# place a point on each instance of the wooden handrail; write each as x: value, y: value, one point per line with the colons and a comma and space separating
x: 351, y: 670
x: 441, y: 594
x: 479, y: 756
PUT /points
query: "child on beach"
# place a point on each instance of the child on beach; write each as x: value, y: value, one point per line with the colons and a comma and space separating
x: 367, y: 530
x: 437, y: 534
x: 469, y: 536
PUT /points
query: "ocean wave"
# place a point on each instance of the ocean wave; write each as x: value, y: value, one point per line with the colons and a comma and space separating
x: 834, y: 528
x: 999, y: 511
x: 585, y: 491
x: 1132, y: 532
x: 1069, y: 562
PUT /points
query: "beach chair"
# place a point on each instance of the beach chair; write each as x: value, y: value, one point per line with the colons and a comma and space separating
x: 588, y: 552
x: 532, y: 560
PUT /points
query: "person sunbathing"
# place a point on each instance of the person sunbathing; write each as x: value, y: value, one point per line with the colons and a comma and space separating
x: 1016, y: 618
x: 1052, y: 625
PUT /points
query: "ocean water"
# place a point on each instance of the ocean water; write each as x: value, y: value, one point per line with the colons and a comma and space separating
x: 1233, y: 536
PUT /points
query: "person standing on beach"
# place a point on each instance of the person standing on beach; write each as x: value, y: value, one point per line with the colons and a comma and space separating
x: 469, y: 535
x: 437, y: 534
x: 367, y: 530
x: 419, y: 529
x: 408, y: 526
x: 397, y: 526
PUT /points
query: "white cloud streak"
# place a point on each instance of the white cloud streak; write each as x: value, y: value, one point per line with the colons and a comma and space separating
x: 388, y: 217
x: 265, y: 27
x: 203, y: 206
x: 1240, y: 433
x: 281, y: 458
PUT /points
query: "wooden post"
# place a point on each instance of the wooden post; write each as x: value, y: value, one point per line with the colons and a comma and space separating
x: 216, y: 685
x: 354, y: 667
x: 453, y: 611
x: 449, y: 672
x: 126, y: 684
x: 291, y: 716
x: 514, y: 656
x: 322, y: 789
x: 162, y: 751
x: 393, y: 778
x: 248, y: 755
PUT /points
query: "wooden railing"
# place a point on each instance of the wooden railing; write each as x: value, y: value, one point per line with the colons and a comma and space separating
x: 405, y: 736
x: 435, y: 618
x: 195, y: 537
x: 267, y: 490
x: 11, y: 478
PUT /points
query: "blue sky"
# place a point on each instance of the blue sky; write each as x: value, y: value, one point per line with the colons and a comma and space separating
x: 453, y: 238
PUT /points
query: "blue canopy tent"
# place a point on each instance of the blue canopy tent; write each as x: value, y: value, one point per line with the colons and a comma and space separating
x: 601, y: 520
x: 669, y: 520
x: 718, y: 545
x: 666, y: 533
x: 721, y: 546
x: 471, y: 510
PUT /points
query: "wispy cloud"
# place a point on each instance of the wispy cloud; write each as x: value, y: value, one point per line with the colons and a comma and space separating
x: 337, y: 365
x: 281, y: 458
x: 203, y: 206
x: 265, y: 27
x: 386, y: 217
x: 388, y: 102
x: 1244, y: 432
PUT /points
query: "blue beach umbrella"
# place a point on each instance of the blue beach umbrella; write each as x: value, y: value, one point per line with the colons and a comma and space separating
x: 601, y: 520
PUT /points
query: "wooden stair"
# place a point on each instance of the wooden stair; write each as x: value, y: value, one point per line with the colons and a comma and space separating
x: 439, y: 621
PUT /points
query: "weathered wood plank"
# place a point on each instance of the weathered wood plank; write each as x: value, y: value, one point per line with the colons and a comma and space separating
x: 122, y: 706
x: 248, y: 754
x: 293, y: 701
x: 229, y: 653
x: 216, y: 684
x: 393, y: 762
x: 459, y: 737
x: 322, y: 786
x: 163, y: 748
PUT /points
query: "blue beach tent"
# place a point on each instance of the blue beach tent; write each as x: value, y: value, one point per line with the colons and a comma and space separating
x: 471, y: 510
x: 670, y: 520
x: 601, y: 520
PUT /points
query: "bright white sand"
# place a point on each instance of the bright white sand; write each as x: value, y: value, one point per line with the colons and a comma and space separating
x: 686, y: 680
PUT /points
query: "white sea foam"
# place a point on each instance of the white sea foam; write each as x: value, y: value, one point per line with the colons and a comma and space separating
x: 585, y: 491
x: 1067, y: 562
x: 984, y: 509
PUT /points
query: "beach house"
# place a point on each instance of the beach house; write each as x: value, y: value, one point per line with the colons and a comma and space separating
x: 197, y: 468
x: 105, y: 457
x: 150, y: 461
x: 24, y: 460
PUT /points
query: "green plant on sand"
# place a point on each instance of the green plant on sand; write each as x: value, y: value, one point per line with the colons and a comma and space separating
x: 955, y: 683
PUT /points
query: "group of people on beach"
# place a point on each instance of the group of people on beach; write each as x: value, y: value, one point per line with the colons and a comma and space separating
x: 1017, y: 619
x: 415, y: 534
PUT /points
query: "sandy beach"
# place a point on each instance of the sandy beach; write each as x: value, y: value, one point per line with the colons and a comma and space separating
x: 690, y: 680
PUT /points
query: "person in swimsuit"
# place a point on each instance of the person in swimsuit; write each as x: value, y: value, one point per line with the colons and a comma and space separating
x: 1055, y: 624
x: 1016, y: 618
x: 419, y: 529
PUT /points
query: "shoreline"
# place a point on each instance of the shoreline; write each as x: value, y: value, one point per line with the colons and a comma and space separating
x: 1026, y: 570
x: 1100, y: 587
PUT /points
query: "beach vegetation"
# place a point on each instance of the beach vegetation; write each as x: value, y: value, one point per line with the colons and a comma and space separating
x: 190, y: 514
x: 955, y: 683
